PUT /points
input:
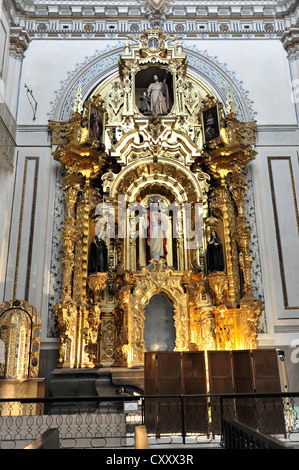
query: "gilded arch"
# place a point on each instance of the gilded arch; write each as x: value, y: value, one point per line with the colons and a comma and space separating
x: 148, y: 283
x: 174, y: 174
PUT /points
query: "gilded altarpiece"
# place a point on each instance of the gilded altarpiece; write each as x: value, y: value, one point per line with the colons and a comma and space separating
x: 153, y: 133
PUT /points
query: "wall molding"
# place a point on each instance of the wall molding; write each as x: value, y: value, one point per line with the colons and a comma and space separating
x: 276, y: 223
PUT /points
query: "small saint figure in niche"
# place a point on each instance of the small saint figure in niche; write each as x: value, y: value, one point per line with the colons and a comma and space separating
x: 159, y: 96
x: 145, y: 104
x: 157, y: 225
x: 215, y: 260
x: 211, y: 125
x: 98, y: 254
x: 96, y: 125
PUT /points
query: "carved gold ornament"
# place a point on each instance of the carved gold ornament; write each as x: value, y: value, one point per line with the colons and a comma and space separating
x: 118, y: 154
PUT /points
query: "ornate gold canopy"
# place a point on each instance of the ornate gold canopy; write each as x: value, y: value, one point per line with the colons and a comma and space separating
x: 153, y: 132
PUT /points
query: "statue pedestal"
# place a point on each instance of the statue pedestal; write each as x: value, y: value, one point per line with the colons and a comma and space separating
x: 73, y: 383
x: 120, y: 381
x: 103, y: 382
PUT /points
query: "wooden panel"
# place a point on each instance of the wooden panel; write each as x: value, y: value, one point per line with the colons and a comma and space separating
x: 266, y: 372
x: 163, y: 377
x: 150, y: 388
x: 169, y: 373
x: 242, y: 371
x: 175, y: 373
x: 150, y: 414
x: 194, y: 373
x: 169, y: 383
x: 150, y: 375
x: 195, y: 383
x: 149, y: 365
x: 220, y: 372
x: 270, y: 414
x: 221, y: 381
x: 169, y: 417
x: 243, y: 383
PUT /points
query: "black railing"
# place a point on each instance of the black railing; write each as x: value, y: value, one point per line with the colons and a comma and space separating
x: 236, y: 435
x: 109, y: 422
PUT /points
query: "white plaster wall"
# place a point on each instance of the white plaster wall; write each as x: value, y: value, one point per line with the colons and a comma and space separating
x: 288, y: 233
x: 7, y: 176
x: 46, y: 64
x: 42, y: 238
x: 4, y: 51
x: 278, y: 141
x: 6, y: 197
x: 263, y: 69
x: 261, y: 65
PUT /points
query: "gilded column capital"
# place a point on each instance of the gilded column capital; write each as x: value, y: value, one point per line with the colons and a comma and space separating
x: 218, y: 283
x: 194, y: 283
x: 96, y: 283
x: 238, y: 189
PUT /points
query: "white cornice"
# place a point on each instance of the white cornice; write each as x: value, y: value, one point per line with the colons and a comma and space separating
x: 255, y: 18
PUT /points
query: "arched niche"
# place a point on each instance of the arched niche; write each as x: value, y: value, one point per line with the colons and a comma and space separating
x: 177, y: 186
x: 145, y: 77
x: 159, y: 331
x: 183, y: 183
x: 149, y: 282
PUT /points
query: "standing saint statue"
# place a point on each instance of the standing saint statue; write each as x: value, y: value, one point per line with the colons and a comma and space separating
x: 157, y: 233
x: 215, y: 260
x: 98, y: 253
x: 158, y: 94
x: 96, y: 125
x: 145, y: 104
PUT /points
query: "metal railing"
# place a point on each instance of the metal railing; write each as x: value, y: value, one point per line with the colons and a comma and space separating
x: 170, y: 421
x: 238, y: 436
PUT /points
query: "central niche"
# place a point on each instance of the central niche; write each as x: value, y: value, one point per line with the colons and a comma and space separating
x: 154, y: 91
x: 159, y: 331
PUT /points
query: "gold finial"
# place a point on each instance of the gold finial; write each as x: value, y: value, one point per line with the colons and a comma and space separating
x: 77, y: 106
x: 230, y: 103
